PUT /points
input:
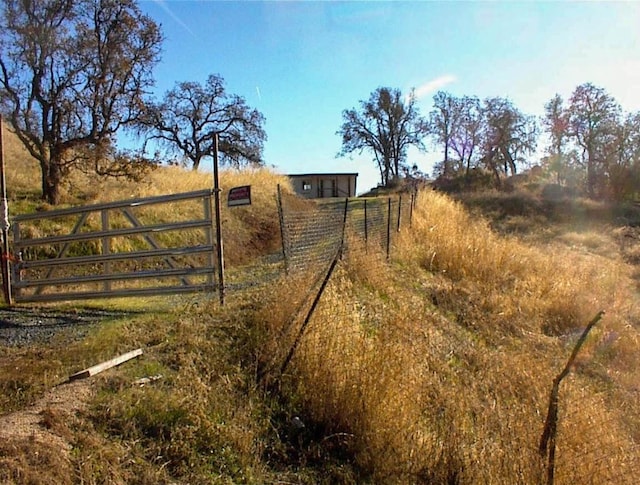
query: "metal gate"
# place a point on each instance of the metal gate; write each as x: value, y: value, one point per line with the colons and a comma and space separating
x: 126, y: 248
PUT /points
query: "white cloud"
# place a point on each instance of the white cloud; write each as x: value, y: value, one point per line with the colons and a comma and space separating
x: 434, y: 85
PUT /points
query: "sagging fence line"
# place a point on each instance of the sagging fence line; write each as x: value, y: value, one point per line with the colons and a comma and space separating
x: 315, y: 235
x: 376, y: 221
x: 547, y: 447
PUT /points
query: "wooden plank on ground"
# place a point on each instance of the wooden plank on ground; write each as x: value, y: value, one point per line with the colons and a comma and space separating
x: 96, y: 369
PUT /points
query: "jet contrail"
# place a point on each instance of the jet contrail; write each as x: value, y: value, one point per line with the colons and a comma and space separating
x: 163, y: 5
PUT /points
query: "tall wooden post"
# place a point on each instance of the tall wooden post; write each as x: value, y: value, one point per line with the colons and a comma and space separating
x: 4, y: 215
x: 218, y: 217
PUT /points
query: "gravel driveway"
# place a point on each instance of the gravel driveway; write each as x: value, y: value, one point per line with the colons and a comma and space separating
x: 25, y: 326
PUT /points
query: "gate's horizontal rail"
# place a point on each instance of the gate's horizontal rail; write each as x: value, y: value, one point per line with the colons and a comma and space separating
x: 135, y: 275
x: 114, y: 205
x: 122, y: 256
x: 87, y: 236
x: 90, y: 295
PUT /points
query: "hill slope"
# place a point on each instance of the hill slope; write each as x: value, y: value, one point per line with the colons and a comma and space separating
x: 433, y: 367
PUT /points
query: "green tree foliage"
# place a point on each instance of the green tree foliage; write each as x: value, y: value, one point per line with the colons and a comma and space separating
x: 73, y: 73
x: 386, y: 125
x: 189, y: 116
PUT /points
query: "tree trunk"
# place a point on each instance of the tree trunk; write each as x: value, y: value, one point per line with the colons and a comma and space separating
x: 51, y: 179
x: 446, y: 168
x: 591, y: 176
x: 386, y: 172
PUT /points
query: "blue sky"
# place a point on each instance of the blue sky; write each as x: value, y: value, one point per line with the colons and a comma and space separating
x: 302, y: 63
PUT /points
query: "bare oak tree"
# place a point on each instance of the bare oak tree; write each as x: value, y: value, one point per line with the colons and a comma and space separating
x: 623, y: 159
x: 73, y: 73
x: 467, y: 137
x: 189, y: 116
x: 508, y: 136
x: 443, y: 123
x: 556, y: 123
x: 386, y: 125
x: 457, y: 124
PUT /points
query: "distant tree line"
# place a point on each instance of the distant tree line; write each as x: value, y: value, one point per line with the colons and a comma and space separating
x: 593, y: 147
x: 76, y: 73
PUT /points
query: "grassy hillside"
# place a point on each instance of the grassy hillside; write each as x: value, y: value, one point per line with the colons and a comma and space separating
x: 434, y: 367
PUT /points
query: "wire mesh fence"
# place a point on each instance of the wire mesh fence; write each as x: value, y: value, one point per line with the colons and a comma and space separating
x: 313, y: 232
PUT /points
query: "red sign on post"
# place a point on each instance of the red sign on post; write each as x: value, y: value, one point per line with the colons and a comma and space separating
x: 239, y: 196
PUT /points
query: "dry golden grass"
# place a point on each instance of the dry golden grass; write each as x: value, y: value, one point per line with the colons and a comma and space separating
x: 435, y: 367
x: 438, y: 368
x: 248, y: 231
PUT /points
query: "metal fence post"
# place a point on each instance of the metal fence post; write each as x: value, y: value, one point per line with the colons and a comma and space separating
x: 366, y: 229
x: 413, y: 200
x: 216, y: 199
x: 399, y: 211
x: 344, y: 225
x: 548, y: 440
x: 282, y: 229
x: 388, y: 227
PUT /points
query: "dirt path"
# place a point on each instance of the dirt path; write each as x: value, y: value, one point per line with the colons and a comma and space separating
x: 62, y: 401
